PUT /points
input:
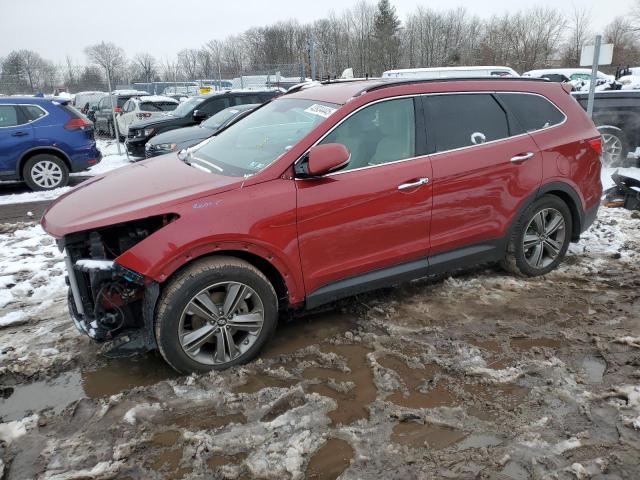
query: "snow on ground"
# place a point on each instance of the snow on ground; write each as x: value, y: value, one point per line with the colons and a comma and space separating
x: 110, y: 161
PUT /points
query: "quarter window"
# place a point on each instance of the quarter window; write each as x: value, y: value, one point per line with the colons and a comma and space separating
x: 534, y: 112
x: 465, y: 120
x: 214, y: 106
x: 33, y: 112
x: 8, y: 116
x: 380, y: 133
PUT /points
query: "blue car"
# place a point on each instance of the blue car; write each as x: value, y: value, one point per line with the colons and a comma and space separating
x: 42, y: 140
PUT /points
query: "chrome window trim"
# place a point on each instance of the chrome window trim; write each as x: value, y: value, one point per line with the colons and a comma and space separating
x: 414, y: 95
x: 29, y: 122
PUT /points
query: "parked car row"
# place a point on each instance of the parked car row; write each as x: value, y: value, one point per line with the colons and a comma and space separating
x: 190, y: 113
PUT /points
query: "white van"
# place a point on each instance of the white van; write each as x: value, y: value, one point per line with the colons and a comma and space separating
x: 447, y: 72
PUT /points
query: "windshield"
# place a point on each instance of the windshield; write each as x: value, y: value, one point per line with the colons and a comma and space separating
x: 185, y: 108
x: 220, y: 118
x: 257, y: 140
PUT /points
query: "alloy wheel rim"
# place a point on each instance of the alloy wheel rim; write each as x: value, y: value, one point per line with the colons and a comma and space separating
x: 220, y: 323
x: 544, y: 238
x: 611, y: 149
x: 46, y: 174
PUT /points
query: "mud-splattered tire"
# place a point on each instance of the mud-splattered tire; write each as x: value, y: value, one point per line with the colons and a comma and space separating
x: 540, y: 238
x: 615, y: 148
x: 220, y: 299
x: 45, y: 172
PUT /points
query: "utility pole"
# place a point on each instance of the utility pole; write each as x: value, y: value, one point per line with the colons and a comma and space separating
x: 113, y: 111
x: 594, y: 75
x: 312, y: 57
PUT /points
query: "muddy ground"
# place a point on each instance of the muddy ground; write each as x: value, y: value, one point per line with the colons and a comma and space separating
x: 480, y: 375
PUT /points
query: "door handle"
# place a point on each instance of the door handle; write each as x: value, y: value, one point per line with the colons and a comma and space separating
x: 417, y: 183
x: 19, y: 134
x: 522, y: 157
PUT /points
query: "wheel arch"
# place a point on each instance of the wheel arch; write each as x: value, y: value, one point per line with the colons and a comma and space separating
x: 38, y: 151
x: 273, y: 274
x: 570, y: 197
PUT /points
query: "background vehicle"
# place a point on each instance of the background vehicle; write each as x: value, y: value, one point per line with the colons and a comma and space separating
x: 43, y: 140
x: 569, y: 73
x: 192, y: 112
x: 86, y: 101
x: 455, y: 72
x: 106, y: 105
x: 142, y: 108
x: 326, y: 192
x: 181, y: 138
x: 617, y: 115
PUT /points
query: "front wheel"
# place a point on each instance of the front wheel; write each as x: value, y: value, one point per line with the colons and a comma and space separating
x: 540, y: 238
x: 216, y: 313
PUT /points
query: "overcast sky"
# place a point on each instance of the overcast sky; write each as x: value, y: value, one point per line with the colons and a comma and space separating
x: 56, y: 28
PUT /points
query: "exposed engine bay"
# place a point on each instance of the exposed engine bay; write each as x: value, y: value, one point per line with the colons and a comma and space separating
x: 108, y: 301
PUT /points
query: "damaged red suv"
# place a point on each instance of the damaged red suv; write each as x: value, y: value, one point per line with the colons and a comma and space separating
x: 328, y: 191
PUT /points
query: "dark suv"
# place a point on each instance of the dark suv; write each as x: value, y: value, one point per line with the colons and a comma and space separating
x: 191, y: 112
x: 103, y: 113
x: 323, y: 193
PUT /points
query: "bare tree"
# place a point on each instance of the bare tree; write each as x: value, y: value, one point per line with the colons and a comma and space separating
x: 108, y: 56
x: 146, y: 66
x: 188, y: 61
x: 580, y: 32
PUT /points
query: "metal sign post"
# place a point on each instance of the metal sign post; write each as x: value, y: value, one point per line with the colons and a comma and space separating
x: 594, y: 75
x: 113, y: 112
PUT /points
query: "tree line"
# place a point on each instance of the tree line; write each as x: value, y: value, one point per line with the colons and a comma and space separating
x: 369, y: 37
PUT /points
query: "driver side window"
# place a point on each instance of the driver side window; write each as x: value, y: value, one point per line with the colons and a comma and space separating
x: 380, y: 133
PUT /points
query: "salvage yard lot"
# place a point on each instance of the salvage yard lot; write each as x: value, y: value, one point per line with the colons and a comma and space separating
x: 480, y: 374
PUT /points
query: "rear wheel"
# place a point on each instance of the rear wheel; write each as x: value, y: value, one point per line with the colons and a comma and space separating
x: 215, y: 314
x: 540, y: 238
x: 45, y: 172
x: 615, y: 147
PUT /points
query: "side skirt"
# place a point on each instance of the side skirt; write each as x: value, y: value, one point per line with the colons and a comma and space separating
x: 465, y: 257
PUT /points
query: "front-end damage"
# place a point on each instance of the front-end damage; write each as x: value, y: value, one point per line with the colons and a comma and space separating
x: 107, y: 301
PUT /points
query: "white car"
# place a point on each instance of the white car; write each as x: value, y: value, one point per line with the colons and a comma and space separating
x: 143, y: 108
x: 457, y: 72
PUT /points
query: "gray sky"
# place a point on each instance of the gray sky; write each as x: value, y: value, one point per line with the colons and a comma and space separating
x: 164, y: 27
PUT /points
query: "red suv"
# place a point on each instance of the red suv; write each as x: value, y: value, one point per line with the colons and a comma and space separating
x: 325, y: 192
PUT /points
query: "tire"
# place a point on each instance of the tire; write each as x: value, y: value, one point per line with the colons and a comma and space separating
x: 45, y: 172
x: 523, y: 260
x: 179, y: 314
x: 615, y: 148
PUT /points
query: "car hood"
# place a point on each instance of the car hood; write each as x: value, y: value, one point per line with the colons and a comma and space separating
x: 148, y: 188
x: 180, y: 135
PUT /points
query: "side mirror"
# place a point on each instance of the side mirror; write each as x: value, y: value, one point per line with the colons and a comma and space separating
x: 323, y: 159
x: 199, y: 115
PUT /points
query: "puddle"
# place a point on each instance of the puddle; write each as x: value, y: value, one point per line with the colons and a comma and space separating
x: 207, y: 418
x: 166, y: 439
x: 352, y: 405
x: 436, y: 396
x: 282, y: 407
x: 594, y: 369
x: 432, y: 436
x: 306, y: 331
x: 328, y: 463
x: 55, y: 393
x: 126, y: 373
x: 527, y: 343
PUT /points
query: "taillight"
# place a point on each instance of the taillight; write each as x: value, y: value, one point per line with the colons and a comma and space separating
x: 117, y: 110
x: 596, y: 145
x: 77, y: 124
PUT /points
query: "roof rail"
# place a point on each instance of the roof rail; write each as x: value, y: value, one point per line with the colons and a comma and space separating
x: 385, y: 83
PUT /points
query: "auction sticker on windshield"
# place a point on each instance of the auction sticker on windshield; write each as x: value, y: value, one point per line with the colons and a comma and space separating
x: 321, y: 110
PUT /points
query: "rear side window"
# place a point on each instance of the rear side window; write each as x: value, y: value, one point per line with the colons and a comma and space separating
x: 380, y: 133
x: 534, y: 112
x: 72, y: 111
x: 33, y: 112
x: 158, y: 106
x: 214, y: 106
x: 245, y: 99
x: 465, y: 120
x: 8, y: 116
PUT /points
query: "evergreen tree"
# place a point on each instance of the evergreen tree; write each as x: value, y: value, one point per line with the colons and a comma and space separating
x: 386, y: 29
